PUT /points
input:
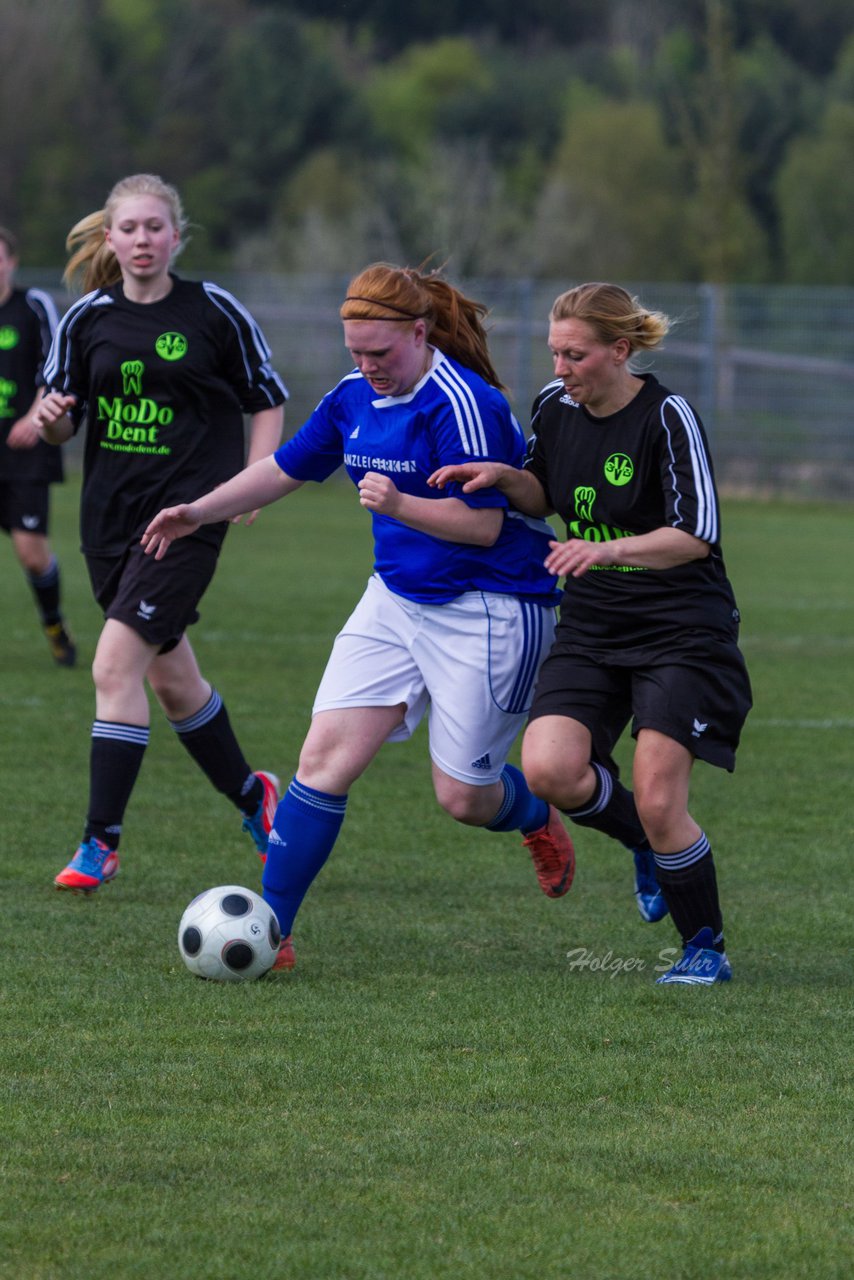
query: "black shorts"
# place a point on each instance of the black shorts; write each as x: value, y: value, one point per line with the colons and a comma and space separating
x: 156, y: 598
x: 700, y: 699
x: 25, y: 507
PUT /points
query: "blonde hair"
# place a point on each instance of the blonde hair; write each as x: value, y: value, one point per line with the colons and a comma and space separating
x: 403, y: 295
x: 93, y: 264
x: 612, y: 313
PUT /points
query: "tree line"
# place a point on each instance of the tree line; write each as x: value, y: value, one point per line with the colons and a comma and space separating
x: 695, y: 140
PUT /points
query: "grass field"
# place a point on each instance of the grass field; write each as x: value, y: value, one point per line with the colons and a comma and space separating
x: 438, y: 1090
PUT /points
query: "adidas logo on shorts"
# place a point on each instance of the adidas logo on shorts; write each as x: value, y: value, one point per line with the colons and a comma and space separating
x: 483, y: 762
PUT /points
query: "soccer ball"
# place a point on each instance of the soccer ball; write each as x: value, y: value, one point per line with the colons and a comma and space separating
x: 229, y: 934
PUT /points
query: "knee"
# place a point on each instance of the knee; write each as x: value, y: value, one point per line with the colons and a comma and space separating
x: 472, y: 806
x: 657, y: 812
x: 33, y: 562
x: 559, y: 781
x: 110, y: 677
x: 313, y: 762
x: 462, y: 808
x: 541, y: 777
x: 327, y: 767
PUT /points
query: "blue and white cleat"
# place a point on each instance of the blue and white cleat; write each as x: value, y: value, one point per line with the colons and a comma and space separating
x: 701, y: 965
x: 261, y: 821
x: 648, y: 895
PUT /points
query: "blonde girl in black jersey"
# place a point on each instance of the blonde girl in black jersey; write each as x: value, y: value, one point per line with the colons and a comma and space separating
x: 648, y: 617
x: 159, y: 373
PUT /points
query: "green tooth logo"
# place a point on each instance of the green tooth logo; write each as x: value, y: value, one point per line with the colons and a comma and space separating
x: 584, y: 499
x: 132, y: 371
x: 619, y: 469
x: 7, y: 394
x: 171, y: 346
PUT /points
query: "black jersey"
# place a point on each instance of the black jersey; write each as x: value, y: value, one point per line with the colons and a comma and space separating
x: 631, y: 472
x: 28, y: 320
x: 162, y: 388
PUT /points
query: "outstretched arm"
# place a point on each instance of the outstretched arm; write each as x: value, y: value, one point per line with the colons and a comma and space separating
x: 256, y: 487
x: 521, y: 487
x: 663, y: 548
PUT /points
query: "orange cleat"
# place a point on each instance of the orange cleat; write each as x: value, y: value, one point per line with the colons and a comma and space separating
x: 286, y: 959
x: 553, y: 855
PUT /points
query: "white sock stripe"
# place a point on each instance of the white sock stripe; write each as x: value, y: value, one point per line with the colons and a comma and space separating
x: 202, y: 717
x: 509, y: 798
x: 606, y: 790
x: 134, y: 733
x: 317, y: 800
x: 684, y: 857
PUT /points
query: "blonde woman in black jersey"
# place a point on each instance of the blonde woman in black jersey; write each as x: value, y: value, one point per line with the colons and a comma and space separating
x: 648, y: 618
x: 159, y: 372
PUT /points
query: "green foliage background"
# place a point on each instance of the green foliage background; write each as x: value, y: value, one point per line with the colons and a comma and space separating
x: 639, y: 139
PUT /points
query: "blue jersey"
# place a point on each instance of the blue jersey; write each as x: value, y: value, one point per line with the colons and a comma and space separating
x: 451, y: 416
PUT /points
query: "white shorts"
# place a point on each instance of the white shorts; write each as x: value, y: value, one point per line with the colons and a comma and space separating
x: 472, y: 662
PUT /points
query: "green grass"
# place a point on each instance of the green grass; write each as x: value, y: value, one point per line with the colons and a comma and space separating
x: 435, y: 1091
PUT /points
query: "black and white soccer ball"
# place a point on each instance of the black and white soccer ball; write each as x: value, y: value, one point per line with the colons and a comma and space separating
x: 229, y: 934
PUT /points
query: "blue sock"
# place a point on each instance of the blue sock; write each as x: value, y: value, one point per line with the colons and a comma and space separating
x: 305, y: 828
x: 521, y: 810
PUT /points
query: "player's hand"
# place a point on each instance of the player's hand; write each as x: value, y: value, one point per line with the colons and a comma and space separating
x: 248, y: 517
x: 379, y: 493
x: 471, y: 475
x: 24, y: 434
x: 51, y: 408
x: 574, y: 558
x: 167, y: 525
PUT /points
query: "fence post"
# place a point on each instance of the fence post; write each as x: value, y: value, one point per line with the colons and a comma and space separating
x: 524, y: 391
x: 711, y: 338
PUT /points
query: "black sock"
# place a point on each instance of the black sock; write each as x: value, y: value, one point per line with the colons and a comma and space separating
x: 114, y: 762
x: 46, y: 588
x: 210, y: 740
x: 690, y: 887
x: 611, y: 809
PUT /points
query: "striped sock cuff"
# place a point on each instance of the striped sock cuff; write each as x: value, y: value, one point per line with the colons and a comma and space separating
x: 320, y: 802
x: 507, y: 803
x: 135, y: 734
x: 48, y: 578
x: 684, y: 857
x: 601, y: 796
x: 203, y: 716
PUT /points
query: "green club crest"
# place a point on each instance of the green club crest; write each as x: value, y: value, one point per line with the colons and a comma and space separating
x: 171, y: 346
x: 9, y: 337
x: 619, y: 469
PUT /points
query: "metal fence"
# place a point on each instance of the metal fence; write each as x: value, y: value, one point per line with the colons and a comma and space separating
x: 769, y: 369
